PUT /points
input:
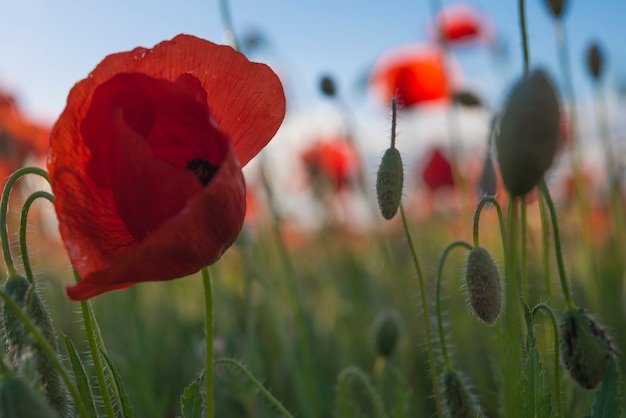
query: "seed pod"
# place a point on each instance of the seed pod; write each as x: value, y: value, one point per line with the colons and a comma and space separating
x: 585, y: 347
x: 18, y: 400
x: 483, y: 286
x: 456, y: 398
x: 389, y: 182
x: 595, y: 61
x: 557, y: 7
x: 529, y: 133
x: 387, y: 332
x: 327, y: 85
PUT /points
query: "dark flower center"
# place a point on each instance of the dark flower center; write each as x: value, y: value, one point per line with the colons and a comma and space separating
x: 203, y: 170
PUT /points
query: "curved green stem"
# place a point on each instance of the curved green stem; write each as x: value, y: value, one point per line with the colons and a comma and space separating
x: 557, y: 356
x: 208, y: 319
x: 557, y: 244
x: 243, y: 369
x: 522, y: 25
x: 23, y: 223
x: 545, y: 238
x: 429, y: 343
x: 523, y: 250
x: 357, y: 373
x: 49, y: 351
x: 478, y: 211
x: 4, y: 206
x: 442, y: 337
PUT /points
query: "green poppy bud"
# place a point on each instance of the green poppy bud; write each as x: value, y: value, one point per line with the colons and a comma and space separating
x: 529, y: 133
x: 586, y: 349
x: 556, y: 7
x: 483, y: 286
x: 18, y: 400
x: 389, y: 182
x: 487, y: 186
x: 387, y: 332
x: 456, y: 398
x: 595, y: 61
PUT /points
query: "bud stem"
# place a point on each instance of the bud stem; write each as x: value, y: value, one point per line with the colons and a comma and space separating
x: 477, y: 212
x: 393, y: 122
x: 442, y: 337
x: 429, y: 343
x: 557, y: 245
x: 4, y: 206
x: 557, y: 356
x: 522, y: 24
x: 357, y: 373
x: 208, y: 319
x: 23, y: 224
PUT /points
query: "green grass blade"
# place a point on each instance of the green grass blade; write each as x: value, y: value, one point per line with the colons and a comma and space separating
x: 119, y: 387
x: 535, y: 403
x: 82, y: 381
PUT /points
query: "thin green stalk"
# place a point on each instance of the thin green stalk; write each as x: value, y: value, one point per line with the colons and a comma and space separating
x: 268, y: 395
x: 357, y: 373
x: 477, y: 213
x: 442, y: 336
x: 208, y: 319
x: 4, y: 206
x: 49, y: 351
x: 557, y: 356
x: 227, y: 21
x: 545, y: 238
x: 557, y: 245
x: 429, y: 343
x: 523, y: 249
x: 522, y: 25
x: 23, y: 224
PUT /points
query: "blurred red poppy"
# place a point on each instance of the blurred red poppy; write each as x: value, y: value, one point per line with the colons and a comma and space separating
x: 335, y: 160
x: 145, y: 160
x: 414, y: 74
x: 437, y: 172
x: 461, y: 23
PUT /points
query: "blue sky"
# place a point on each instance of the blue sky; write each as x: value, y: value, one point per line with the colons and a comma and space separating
x: 49, y: 45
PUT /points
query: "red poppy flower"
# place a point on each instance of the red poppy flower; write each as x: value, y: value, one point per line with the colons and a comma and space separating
x: 336, y: 160
x: 145, y: 160
x: 438, y: 171
x: 414, y: 74
x: 462, y: 24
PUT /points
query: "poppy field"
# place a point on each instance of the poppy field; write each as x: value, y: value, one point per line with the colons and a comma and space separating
x: 158, y: 265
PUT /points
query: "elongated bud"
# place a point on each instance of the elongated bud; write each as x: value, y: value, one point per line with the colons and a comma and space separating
x: 483, y: 286
x: 456, y: 398
x: 487, y: 186
x: 556, y: 7
x: 595, y: 61
x: 22, y: 345
x: 18, y: 400
x: 387, y: 332
x: 328, y: 87
x: 585, y: 347
x: 389, y: 183
x: 529, y: 133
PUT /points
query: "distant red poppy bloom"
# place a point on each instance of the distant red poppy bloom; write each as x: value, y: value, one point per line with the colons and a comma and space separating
x: 145, y: 160
x: 414, y: 74
x: 337, y: 160
x: 437, y: 172
x: 461, y: 23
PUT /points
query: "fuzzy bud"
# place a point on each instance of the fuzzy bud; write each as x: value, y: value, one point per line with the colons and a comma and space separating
x: 386, y: 332
x: 586, y: 349
x: 595, y: 61
x: 556, y: 7
x: 389, y: 183
x: 483, y: 286
x: 456, y: 398
x: 18, y: 400
x: 529, y: 133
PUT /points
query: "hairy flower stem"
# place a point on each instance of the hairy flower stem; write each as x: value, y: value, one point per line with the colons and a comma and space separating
x: 479, y: 208
x: 23, y: 225
x: 442, y: 335
x: 208, y: 322
x: 355, y: 372
x: 545, y: 246
x: 523, y: 250
x: 4, y: 206
x: 49, y: 351
x: 557, y: 355
x: 429, y: 343
x: 557, y: 245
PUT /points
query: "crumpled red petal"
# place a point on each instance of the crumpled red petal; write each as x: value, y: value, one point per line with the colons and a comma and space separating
x: 110, y: 243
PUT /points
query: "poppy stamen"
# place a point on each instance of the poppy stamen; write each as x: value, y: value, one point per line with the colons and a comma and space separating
x: 203, y: 170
